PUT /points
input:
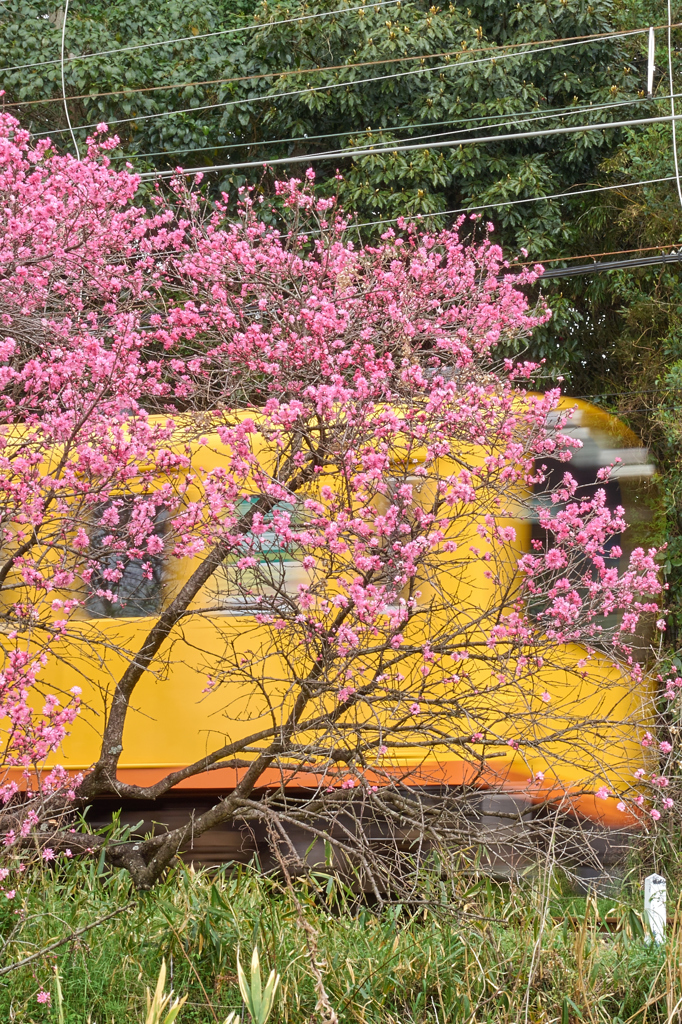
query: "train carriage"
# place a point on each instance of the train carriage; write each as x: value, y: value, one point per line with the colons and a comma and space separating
x: 179, y: 715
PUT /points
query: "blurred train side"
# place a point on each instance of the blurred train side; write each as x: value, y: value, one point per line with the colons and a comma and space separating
x: 174, y: 722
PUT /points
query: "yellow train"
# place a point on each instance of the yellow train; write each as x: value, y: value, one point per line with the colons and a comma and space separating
x: 178, y: 717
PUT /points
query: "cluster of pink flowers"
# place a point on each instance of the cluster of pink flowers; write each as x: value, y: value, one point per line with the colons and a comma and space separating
x: 32, y: 736
x: 672, y: 681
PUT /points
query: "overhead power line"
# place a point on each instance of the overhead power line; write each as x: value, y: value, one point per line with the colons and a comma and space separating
x: 672, y: 108
x: 513, y: 117
x: 65, y: 15
x: 344, y: 154
x: 598, y: 255
x: 555, y: 44
x: 511, y: 202
x: 597, y: 268
x: 595, y: 36
x: 210, y: 35
x: 247, y: 78
x: 265, y: 97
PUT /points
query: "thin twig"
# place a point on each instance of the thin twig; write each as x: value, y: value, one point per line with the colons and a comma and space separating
x: 62, y: 942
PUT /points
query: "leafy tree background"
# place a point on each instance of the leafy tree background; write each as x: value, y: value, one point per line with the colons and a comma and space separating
x: 456, y: 81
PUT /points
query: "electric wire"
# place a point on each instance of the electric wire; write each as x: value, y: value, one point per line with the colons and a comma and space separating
x: 210, y: 35
x: 597, y: 268
x: 557, y: 44
x: 590, y: 268
x: 66, y: 105
x: 556, y: 272
x: 515, y: 117
x: 322, y: 88
x: 325, y: 14
x: 514, y: 202
x: 672, y: 107
x: 508, y: 202
x: 598, y: 255
x: 344, y: 154
x: 242, y: 78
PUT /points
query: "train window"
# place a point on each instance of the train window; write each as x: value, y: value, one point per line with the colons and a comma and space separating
x: 265, y: 585
x: 123, y: 587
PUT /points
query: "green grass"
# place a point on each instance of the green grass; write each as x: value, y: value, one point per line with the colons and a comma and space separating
x: 476, y: 952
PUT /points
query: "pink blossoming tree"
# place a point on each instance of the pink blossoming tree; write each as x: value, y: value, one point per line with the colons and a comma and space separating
x: 308, y: 446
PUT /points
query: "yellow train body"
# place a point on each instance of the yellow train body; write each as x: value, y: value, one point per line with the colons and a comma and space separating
x: 174, y: 721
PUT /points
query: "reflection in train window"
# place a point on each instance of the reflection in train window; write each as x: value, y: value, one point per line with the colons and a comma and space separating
x: 276, y: 574
x: 123, y: 586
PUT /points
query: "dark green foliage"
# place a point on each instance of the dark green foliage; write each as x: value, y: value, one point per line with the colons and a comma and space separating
x: 617, y: 336
x: 465, y: 84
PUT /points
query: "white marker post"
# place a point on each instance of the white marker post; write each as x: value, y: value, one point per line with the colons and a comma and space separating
x: 650, y: 62
x: 654, y: 906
